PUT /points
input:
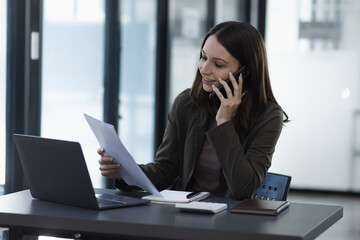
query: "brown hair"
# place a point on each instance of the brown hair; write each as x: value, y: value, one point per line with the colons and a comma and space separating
x: 245, y: 44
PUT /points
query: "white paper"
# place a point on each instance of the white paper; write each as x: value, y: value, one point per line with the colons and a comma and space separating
x: 110, y: 141
x: 171, y: 196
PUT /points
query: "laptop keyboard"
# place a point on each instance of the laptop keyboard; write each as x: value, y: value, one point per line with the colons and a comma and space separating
x: 111, y: 201
x: 111, y: 198
x: 108, y: 203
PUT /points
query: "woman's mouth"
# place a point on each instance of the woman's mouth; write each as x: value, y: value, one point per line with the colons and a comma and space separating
x: 208, y: 82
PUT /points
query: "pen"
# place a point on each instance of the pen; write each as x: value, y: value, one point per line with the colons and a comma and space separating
x: 192, y: 194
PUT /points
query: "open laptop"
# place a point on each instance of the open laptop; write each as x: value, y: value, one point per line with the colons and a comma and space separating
x: 56, y: 171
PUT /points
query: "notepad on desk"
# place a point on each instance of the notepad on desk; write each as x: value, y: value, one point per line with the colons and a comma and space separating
x: 171, y: 196
x: 263, y: 207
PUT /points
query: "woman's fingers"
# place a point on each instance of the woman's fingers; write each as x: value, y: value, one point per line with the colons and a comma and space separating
x: 237, y: 85
x: 226, y: 87
x: 108, y: 167
x: 101, y: 151
x: 106, y: 160
x: 111, y: 173
x: 218, y: 93
x: 235, y: 93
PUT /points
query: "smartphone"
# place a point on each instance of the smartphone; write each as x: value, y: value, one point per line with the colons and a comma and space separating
x: 245, y: 73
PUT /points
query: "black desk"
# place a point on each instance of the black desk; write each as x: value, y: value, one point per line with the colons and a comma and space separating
x: 24, y: 215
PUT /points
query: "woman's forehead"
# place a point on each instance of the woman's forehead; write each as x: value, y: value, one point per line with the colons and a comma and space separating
x: 214, y: 49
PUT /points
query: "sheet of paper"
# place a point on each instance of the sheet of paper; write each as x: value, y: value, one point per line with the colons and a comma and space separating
x: 171, y: 196
x: 110, y: 141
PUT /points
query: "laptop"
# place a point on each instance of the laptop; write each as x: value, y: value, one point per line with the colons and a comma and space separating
x: 56, y: 171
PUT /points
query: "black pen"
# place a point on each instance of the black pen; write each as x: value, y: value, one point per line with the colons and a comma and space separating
x: 192, y: 194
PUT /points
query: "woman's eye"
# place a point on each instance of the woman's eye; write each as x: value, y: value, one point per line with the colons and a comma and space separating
x: 217, y: 65
x: 203, y: 57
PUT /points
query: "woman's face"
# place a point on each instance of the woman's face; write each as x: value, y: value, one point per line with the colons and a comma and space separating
x: 215, y: 62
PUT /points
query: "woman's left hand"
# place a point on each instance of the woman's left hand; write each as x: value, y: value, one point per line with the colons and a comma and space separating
x: 230, y: 104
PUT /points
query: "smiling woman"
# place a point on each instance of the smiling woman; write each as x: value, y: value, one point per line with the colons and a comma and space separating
x: 224, y: 150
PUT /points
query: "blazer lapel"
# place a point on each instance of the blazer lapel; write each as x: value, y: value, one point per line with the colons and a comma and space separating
x: 198, y: 138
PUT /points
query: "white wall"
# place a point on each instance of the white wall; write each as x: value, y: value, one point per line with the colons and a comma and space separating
x: 319, y: 89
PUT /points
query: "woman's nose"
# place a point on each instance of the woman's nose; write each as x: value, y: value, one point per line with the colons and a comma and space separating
x: 204, y: 68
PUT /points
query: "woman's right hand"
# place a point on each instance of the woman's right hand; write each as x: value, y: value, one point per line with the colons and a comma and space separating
x: 108, y: 167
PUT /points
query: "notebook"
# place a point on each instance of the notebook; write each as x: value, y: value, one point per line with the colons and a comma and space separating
x: 263, y: 207
x: 56, y: 171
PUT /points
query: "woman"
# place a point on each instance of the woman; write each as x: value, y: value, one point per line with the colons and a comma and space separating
x: 225, y: 150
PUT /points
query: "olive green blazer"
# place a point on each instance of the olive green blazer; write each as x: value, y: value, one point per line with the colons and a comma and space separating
x: 244, y: 160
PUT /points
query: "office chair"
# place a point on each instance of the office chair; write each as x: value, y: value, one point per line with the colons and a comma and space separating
x: 274, y: 187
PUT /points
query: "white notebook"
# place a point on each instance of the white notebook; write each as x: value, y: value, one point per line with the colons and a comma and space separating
x: 171, y: 196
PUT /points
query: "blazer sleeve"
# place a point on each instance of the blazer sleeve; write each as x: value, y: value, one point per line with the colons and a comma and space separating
x: 244, y: 169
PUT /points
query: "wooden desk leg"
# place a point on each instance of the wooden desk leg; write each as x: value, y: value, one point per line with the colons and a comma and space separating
x: 14, y: 234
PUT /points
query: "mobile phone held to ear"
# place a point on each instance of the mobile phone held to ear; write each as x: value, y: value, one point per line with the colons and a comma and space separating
x: 245, y: 73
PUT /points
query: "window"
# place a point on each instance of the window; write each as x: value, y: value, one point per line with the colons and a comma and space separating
x: 2, y: 89
x: 314, y: 56
x: 229, y: 10
x: 72, y: 73
x: 137, y: 80
x: 187, y: 29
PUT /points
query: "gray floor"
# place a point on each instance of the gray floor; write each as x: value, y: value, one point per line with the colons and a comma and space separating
x: 348, y: 228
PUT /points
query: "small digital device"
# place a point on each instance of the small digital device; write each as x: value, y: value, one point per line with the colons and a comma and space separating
x: 245, y: 73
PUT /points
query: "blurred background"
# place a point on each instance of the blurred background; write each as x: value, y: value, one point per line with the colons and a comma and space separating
x: 57, y: 64
x: 314, y: 59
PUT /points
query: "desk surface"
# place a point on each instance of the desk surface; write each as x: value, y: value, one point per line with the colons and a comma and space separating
x: 162, y: 221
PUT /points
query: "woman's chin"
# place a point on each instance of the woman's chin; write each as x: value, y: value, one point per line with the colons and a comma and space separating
x: 207, y: 88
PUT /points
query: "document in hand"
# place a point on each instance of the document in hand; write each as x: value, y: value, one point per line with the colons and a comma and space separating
x: 263, y: 207
x: 110, y: 141
x: 171, y: 196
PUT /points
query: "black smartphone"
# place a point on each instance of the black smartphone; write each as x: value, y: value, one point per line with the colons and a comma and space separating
x: 245, y: 73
